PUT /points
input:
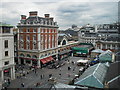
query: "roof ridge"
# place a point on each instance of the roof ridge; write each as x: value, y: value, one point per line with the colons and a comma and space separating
x: 114, y: 79
x: 96, y: 68
x: 84, y: 78
x: 98, y: 80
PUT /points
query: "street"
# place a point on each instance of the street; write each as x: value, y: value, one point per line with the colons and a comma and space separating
x: 62, y: 75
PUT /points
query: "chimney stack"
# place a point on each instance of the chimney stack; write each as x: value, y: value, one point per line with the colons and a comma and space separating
x: 23, y: 17
x: 47, y: 15
x: 33, y: 13
x: 51, y: 18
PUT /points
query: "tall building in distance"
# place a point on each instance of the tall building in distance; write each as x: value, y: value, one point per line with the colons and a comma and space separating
x: 7, y: 65
x: 37, y: 39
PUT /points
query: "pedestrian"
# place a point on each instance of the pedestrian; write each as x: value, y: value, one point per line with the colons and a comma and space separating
x: 72, y: 62
x: 68, y: 68
x: 35, y: 71
x: 27, y: 72
x: 22, y: 84
x: 60, y: 69
x: 73, y: 68
x: 41, y: 76
x: 68, y: 75
x: 8, y: 81
x: 50, y: 75
x: 37, y: 84
x: 60, y: 74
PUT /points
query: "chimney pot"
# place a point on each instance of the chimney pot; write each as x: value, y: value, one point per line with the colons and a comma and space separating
x: 33, y: 13
x: 23, y: 17
x: 47, y: 15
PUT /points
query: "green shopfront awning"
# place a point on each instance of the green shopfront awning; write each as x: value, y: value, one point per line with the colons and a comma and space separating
x: 79, y: 48
x: 82, y: 52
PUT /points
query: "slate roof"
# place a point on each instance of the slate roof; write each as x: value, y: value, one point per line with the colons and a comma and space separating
x: 98, y: 51
x: 113, y: 75
x: 117, y: 56
x: 62, y: 35
x: 94, y: 76
x: 4, y: 24
x: 91, y: 34
x: 108, y: 31
x: 113, y: 37
x: 106, y: 56
x: 113, y: 71
x: 37, y: 19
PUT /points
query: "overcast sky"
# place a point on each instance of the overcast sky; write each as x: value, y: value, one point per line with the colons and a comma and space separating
x: 65, y: 12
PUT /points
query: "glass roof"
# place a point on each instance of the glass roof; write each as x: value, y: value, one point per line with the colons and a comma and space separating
x: 94, y: 76
x: 106, y: 56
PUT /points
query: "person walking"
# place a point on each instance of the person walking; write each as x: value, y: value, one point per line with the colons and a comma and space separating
x: 60, y: 69
x: 59, y: 74
x: 73, y: 68
x: 8, y: 81
x: 22, y: 84
x: 41, y: 76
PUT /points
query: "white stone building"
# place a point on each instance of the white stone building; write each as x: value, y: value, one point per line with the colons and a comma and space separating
x: 7, y: 65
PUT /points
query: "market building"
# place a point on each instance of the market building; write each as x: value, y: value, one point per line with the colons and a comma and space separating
x: 93, y: 34
x: 94, y: 76
x: 83, y: 49
x: 37, y: 39
x: 110, y: 43
x: 7, y: 65
x: 64, y: 51
x: 95, y: 53
x: 107, y: 56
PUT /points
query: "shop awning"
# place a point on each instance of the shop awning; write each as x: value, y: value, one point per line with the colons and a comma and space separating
x: 43, y: 61
x: 82, y: 61
x: 46, y: 60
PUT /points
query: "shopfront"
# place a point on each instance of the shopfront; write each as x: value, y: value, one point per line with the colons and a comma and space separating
x: 28, y: 61
x: 64, y: 54
x: 46, y: 61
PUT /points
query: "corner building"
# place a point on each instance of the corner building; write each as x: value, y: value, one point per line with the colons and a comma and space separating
x: 7, y: 65
x: 37, y: 40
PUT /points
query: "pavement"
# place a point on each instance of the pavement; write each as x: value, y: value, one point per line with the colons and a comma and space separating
x: 62, y: 75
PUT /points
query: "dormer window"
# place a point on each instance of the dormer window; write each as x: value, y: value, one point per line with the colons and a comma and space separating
x: 31, y: 22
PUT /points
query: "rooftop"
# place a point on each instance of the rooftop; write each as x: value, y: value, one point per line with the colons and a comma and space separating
x: 98, y: 51
x: 4, y: 24
x: 94, y: 76
x: 113, y: 75
x: 106, y: 56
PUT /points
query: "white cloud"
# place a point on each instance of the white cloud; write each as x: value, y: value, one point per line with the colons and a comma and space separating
x: 65, y: 13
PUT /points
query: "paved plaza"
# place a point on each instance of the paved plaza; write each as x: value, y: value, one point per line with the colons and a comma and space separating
x: 62, y: 75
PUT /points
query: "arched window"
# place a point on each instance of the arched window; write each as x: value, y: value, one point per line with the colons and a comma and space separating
x: 64, y: 42
x: 28, y: 56
x: 34, y: 56
x: 42, y: 55
x: 22, y: 55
